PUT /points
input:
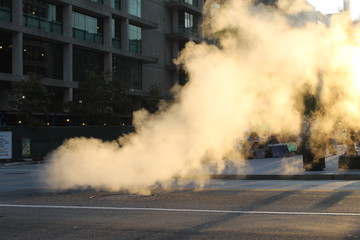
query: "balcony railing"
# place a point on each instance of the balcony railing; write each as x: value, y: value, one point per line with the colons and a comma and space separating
x: 116, y: 43
x: 135, y: 46
x: 97, y: 1
x: 43, y: 24
x: 189, y: 31
x: 193, y: 3
x: 86, y: 36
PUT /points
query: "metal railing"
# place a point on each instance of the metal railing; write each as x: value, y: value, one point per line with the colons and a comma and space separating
x: 43, y: 24
x: 116, y: 43
x: 193, y: 3
x: 86, y: 36
x: 135, y: 46
x: 189, y: 31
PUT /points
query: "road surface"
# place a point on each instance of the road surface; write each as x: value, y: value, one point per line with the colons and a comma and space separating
x: 223, y: 209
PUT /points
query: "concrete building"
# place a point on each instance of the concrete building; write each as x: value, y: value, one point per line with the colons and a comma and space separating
x: 59, y: 40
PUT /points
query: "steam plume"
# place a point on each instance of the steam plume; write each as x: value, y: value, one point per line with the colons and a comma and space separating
x: 250, y: 80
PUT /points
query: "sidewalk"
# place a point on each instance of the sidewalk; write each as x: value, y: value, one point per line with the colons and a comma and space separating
x: 290, y: 168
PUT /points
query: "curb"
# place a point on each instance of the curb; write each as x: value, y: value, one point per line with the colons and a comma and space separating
x: 288, y: 177
x: 9, y: 164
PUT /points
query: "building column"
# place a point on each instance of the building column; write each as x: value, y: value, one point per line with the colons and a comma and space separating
x: 17, y: 54
x: 17, y: 10
x: 125, y: 34
x: 68, y: 95
x: 67, y: 52
x: 199, y: 28
x: 175, y: 49
x: 346, y: 5
x: 125, y: 6
x: 67, y: 20
x: 175, y: 21
x: 68, y: 70
x: 201, y: 4
x: 108, y: 62
x: 108, y: 32
x: 108, y: 3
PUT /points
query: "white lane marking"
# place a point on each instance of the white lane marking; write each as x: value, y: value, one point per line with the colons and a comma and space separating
x: 180, y: 210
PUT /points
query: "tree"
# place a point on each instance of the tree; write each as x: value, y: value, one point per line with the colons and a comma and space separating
x: 151, y: 103
x: 91, y: 99
x: 121, y: 103
x: 100, y: 100
x: 311, y: 102
x: 30, y: 97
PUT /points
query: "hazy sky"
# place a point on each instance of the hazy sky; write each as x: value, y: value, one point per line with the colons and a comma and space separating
x: 333, y: 6
x: 327, y: 6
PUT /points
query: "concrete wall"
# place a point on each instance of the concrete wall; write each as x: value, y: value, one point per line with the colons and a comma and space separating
x: 45, y: 139
x: 153, y: 43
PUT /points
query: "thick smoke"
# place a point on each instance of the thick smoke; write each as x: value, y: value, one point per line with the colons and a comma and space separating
x: 252, y: 79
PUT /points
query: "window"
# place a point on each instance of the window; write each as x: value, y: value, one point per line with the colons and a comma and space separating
x: 5, y: 10
x: 42, y: 15
x: 87, y: 28
x: 135, y: 7
x: 116, y: 33
x: 43, y: 58
x: 116, y: 4
x: 187, y: 23
x: 128, y: 71
x: 84, y: 60
x: 192, y: 2
x: 5, y: 53
x: 97, y: 1
x: 134, y: 39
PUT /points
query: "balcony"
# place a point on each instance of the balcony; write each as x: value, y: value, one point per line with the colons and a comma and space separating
x: 43, y: 24
x: 185, y: 34
x: 86, y: 36
x: 96, y: 1
x: 191, y: 6
x: 193, y: 3
x: 116, y: 43
x: 135, y: 46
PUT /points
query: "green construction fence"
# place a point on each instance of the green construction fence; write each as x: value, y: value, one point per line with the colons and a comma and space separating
x: 45, y: 139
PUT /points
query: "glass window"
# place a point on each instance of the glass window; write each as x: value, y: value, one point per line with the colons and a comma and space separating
x: 128, y: 71
x: 116, y: 33
x: 42, y: 15
x: 87, y: 28
x: 134, y: 39
x: 84, y: 22
x: 116, y: 4
x: 97, y: 1
x: 5, y: 53
x: 135, y: 7
x: 43, y: 58
x: 5, y: 10
x: 189, y: 20
x: 187, y: 23
x: 84, y: 60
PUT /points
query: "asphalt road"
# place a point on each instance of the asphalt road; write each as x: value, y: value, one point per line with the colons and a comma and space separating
x: 222, y: 210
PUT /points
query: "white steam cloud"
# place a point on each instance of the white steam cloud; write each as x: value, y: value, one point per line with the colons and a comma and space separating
x: 253, y: 79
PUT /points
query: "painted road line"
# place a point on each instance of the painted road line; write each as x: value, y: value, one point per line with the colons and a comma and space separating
x: 180, y: 210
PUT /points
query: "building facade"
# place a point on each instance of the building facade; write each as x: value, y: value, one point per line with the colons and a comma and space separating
x: 136, y: 40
